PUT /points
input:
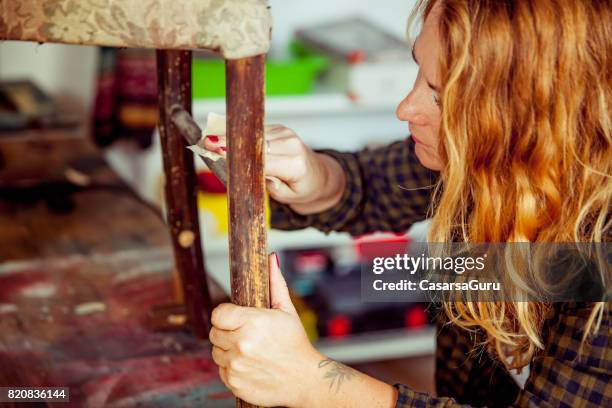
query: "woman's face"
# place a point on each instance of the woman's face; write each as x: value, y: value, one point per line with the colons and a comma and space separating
x: 420, y: 108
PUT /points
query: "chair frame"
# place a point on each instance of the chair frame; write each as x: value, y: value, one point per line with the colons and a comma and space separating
x: 246, y: 187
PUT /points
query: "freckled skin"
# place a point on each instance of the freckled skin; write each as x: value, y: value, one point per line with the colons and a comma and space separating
x: 420, y: 108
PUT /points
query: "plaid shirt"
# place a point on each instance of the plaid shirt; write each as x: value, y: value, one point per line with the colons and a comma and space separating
x: 388, y: 190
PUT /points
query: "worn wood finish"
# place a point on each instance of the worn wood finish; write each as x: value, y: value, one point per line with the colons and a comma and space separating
x: 245, y: 137
x: 174, y: 83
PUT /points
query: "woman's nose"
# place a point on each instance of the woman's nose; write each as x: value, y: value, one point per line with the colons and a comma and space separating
x: 408, y: 110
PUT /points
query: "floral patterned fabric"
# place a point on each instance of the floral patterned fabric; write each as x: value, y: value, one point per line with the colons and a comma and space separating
x: 234, y: 28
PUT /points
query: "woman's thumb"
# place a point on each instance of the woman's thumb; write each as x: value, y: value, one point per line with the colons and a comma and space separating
x: 279, y: 293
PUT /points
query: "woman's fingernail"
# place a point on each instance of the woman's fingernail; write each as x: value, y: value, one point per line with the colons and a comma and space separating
x: 213, y: 138
x: 277, y: 261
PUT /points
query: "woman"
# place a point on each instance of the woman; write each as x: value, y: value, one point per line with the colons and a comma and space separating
x: 509, y: 119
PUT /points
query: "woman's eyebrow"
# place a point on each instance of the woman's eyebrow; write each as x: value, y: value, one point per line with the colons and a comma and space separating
x: 432, y: 86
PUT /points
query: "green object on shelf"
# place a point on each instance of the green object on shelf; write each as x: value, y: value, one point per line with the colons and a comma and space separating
x: 290, y: 77
x: 300, y: 50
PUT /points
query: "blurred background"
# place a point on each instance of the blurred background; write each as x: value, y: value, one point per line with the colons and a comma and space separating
x: 73, y: 118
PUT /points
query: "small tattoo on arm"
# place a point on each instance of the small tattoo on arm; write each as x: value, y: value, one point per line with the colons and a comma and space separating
x: 337, y: 373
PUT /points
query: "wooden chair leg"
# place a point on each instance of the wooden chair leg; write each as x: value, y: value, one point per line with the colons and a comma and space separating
x: 246, y: 188
x: 174, y: 83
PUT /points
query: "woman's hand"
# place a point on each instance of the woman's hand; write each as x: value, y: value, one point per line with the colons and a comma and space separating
x: 310, y: 182
x: 264, y: 355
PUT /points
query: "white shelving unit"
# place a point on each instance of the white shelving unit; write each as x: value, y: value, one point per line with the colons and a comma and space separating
x: 216, y: 245
x: 216, y: 248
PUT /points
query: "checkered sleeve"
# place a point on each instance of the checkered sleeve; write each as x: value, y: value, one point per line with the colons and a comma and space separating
x: 569, y: 373
x: 562, y: 375
x: 387, y: 189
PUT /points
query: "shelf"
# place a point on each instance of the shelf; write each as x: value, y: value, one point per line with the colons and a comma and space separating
x: 380, y: 345
x: 217, y: 244
x: 216, y: 247
x: 318, y: 104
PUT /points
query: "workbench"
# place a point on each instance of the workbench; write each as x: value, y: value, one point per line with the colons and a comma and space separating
x: 81, y: 269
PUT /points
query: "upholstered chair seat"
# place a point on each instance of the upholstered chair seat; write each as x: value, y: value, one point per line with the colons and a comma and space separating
x: 233, y: 28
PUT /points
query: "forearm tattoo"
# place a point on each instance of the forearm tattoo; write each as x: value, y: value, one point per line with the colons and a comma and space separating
x: 337, y: 373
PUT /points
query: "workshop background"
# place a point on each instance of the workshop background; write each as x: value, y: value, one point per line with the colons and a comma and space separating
x: 76, y: 118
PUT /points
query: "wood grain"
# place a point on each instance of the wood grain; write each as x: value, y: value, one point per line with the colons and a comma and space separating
x: 174, y: 84
x: 245, y: 137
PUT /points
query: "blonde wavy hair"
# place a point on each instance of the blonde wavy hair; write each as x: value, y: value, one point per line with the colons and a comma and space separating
x: 525, y: 140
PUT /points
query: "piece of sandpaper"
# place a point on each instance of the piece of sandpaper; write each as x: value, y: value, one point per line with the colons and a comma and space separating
x: 216, y: 125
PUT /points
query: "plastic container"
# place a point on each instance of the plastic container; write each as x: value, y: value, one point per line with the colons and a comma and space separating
x: 288, y: 77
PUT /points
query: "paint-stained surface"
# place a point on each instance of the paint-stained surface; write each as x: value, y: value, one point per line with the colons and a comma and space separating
x: 81, y: 322
x: 81, y: 267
